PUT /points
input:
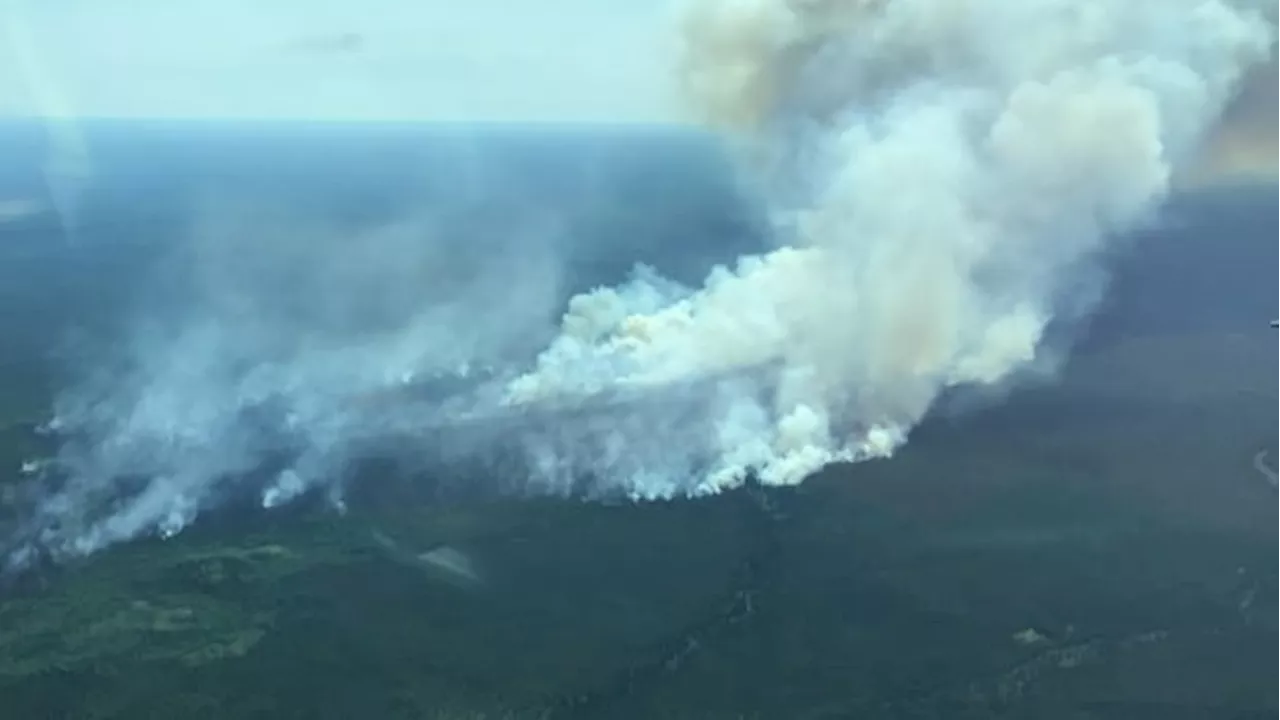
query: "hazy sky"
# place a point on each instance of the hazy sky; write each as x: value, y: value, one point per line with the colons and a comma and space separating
x: 590, y: 60
x: 450, y: 60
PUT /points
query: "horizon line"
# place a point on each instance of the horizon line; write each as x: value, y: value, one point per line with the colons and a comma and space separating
x: 356, y: 120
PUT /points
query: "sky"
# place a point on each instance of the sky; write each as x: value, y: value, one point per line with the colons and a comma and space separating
x: 445, y: 60
x: 593, y: 61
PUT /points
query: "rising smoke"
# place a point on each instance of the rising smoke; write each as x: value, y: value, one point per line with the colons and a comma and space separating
x: 281, y: 339
x: 943, y: 174
x: 948, y: 169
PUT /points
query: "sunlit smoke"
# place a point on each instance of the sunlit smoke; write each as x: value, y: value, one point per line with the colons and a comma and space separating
x: 942, y: 174
x: 947, y: 170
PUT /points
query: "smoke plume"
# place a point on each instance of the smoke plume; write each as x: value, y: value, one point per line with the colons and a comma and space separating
x: 945, y: 177
x: 260, y: 362
x: 947, y: 171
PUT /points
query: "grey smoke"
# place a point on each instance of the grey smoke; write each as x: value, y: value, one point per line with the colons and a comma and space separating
x: 944, y: 175
x: 944, y: 178
x: 282, y: 338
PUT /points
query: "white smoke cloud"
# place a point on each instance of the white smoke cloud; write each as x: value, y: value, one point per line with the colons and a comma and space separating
x: 948, y: 169
x: 266, y: 354
x: 942, y: 173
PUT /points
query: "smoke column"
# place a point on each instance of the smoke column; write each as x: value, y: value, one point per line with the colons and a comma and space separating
x: 949, y: 171
x: 944, y: 175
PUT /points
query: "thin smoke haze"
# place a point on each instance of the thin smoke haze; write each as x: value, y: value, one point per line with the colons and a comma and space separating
x: 945, y: 179
x: 67, y: 167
